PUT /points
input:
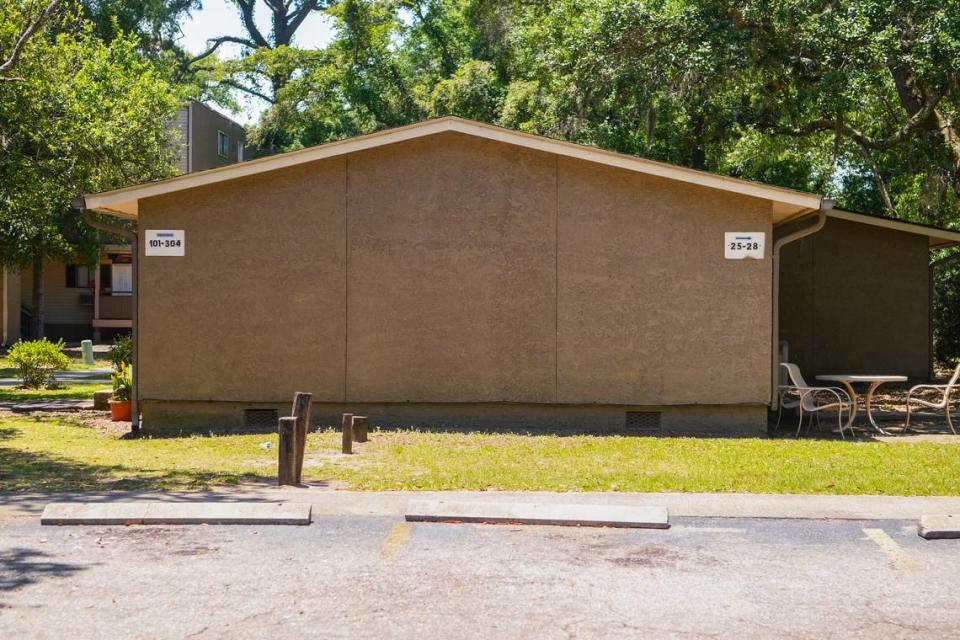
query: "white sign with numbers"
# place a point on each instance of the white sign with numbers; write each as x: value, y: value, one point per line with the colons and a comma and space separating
x: 164, y: 242
x: 738, y: 245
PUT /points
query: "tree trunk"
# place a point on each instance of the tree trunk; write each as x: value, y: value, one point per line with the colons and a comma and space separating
x: 698, y: 155
x: 912, y: 99
x: 38, y: 301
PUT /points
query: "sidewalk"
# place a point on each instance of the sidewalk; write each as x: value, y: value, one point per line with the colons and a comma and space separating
x: 95, y: 377
x: 54, y: 404
x: 331, y: 502
x: 80, y: 375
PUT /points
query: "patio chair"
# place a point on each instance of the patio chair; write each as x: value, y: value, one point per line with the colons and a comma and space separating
x: 942, y: 403
x: 813, y: 400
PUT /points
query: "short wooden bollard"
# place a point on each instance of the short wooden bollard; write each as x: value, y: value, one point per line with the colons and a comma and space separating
x: 346, y: 425
x: 360, y: 426
x: 301, y: 411
x: 287, y: 451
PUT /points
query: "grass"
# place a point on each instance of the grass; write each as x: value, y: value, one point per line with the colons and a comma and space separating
x: 57, y: 453
x: 67, y: 390
x: 54, y: 452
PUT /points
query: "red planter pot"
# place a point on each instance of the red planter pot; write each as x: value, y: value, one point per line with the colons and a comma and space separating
x: 120, y: 410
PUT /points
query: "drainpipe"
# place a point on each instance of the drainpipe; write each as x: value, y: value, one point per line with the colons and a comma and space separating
x: 825, y: 205
x: 953, y: 257
x: 131, y: 236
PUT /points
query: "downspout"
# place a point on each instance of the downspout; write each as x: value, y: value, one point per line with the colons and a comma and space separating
x: 825, y: 205
x: 131, y: 236
x: 953, y: 257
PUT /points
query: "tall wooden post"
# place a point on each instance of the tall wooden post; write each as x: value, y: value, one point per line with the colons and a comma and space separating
x: 346, y: 425
x: 360, y: 427
x: 301, y: 411
x: 96, y: 295
x: 286, y: 451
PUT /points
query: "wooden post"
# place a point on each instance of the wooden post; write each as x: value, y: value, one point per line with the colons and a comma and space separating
x: 360, y: 428
x: 301, y: 411
x: 96, y: 293
x: 346, y: 425
x: 286, y: 451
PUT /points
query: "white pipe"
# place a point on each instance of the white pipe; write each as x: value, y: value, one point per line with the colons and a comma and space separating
x: 825, y: 205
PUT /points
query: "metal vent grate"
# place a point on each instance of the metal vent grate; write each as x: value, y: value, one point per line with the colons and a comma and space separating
x: 260, y: 418
x: 642, y: 423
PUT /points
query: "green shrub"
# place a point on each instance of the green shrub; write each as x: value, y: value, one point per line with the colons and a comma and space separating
x: 122, y: 384
x: 121, y: 350
x: 38, y: 360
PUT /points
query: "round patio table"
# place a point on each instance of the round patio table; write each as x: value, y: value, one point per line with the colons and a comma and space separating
x: 874, y: 381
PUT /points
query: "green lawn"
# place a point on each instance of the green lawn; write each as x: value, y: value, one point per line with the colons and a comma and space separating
x: 57, y: 453
x: 72, y: 390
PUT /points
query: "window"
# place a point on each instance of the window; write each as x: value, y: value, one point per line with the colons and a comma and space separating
x: 239, y: 150
x: 223, y: 144
x: 121, y: 277
x: 106, y: 282
x: 79, y: 276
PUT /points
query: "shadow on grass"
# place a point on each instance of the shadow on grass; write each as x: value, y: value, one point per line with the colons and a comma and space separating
x: 20, y: 567
x: 32, y: 471
x: 923, y: 423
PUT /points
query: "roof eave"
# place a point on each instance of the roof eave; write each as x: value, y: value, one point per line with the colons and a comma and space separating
x: 937, y: 237
x: 124, y: 201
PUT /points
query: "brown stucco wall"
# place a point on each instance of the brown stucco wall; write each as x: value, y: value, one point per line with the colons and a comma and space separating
x: 255, y: 308
x: 854, y: 299
x: 454, y: 270
x: 650, y: 311
x: 452, y: 273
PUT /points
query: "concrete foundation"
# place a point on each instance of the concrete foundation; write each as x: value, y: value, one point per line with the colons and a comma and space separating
x: 727, y: 420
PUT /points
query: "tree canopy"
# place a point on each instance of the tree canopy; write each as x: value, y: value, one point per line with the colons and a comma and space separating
x: 77, y: 115
x: 857, y: 99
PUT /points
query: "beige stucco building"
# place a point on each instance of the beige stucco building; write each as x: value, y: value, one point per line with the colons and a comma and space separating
x: 457, y: 273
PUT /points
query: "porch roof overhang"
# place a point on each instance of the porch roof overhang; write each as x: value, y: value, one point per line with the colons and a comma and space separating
x: 937, y: 236
x: 787, y: 203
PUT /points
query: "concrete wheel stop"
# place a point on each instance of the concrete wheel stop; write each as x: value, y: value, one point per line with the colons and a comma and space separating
x: 939, y: 527
x: 125, y: 513
x: 568, y: 515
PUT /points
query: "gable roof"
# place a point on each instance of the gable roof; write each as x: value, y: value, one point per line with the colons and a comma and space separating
x: 124, y: 202
x: 938, y: 236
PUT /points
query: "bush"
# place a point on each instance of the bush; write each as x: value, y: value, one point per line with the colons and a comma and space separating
x: 38, y: 360
x: 121, y: 351
x: 122, y: 385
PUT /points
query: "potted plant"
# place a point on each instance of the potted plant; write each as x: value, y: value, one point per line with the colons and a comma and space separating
x: 122, y: 388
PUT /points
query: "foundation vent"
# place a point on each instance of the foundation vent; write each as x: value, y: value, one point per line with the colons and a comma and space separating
x: 260, y: 418
x: 642, y: 423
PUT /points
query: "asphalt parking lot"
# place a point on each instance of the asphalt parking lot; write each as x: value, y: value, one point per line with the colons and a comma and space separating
x: 370, y: 576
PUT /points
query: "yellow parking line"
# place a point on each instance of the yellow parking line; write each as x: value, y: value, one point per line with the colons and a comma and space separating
x: 892, y: 549
x: 395, y: 539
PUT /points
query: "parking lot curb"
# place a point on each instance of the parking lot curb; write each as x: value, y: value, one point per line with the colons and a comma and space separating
x: 565, y: 515
x: 939, y: 527
x: 127, y: 513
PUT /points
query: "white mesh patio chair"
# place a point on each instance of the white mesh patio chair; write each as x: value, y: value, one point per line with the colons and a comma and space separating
x: 812, y: 400
x: 943, y: 403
